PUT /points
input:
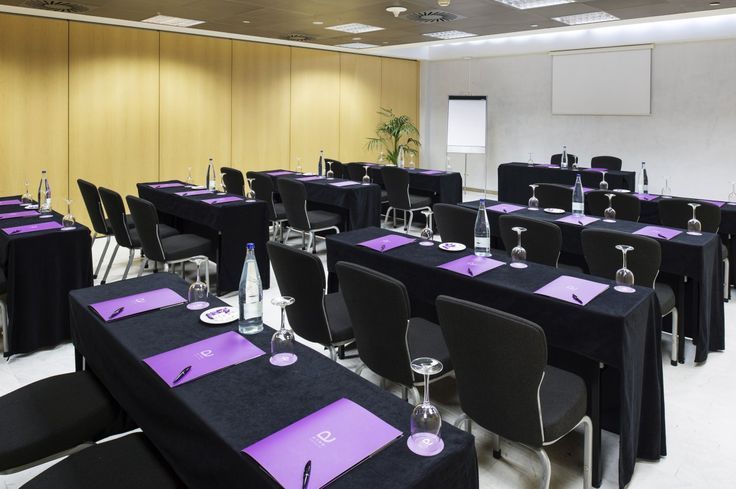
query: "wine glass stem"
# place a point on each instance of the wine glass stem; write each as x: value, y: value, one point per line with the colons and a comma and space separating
x: 624, y: 257
x: 199, y: 264
x: 283, y: 314
x: 426, y: 388
x: 519, y: 241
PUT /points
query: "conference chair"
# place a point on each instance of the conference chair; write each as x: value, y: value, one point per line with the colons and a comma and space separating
x: 124, y: 463
x: 100, y: 225
x: 263, y: 187
x: 396, y: 181
x: 627, y: 207
x: 172, y: 250
x: 3, y: 310
x: 555, y: 195
x: 542, y: 240
x: 233, y: 180
x: 338, y: 169
x: 555, y: 159
x: 599, y: 250
x: 388, y: 337
x: 607, y: 162
x: 315, y: 315
x: 294, y: 195
x: 455, y: 223
x: 505, y: 385
x: 125, y: 236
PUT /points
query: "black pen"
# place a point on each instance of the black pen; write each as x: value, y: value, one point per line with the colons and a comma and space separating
x: 383, y: 247
x: 307, y: 473
x: 116, y: 312
x: 661, y: 235
x: 182, y: 374
x: 470, y: 272
x: 580, y: 222
x: 577, y: 299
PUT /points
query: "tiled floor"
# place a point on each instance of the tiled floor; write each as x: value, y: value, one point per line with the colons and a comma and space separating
x: 700, y: 405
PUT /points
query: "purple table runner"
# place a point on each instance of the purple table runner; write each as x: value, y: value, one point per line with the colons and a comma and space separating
x: 344, y: 183
x: 717, y: 203
x: 32, y: 228
x: 165, y: 185
x: 388, y: 242
x: 224, y: 200
x: 505, y: 208
x: 471, y: 265
x: 191, y: 193
x: 310, y: 178
x: 131, y: 305
x: 645, y: 197
x: 12, y: 215
x: 658, y: 232
x: 279, y: 173
x: 573, y: 290
x: 579, y: 220
x: 11, y: 202
x: 600, y: 170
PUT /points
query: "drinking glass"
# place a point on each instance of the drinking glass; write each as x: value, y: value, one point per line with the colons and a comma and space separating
x: 68, y: 221
x: 449, y: 166
x: 412, y: 165
x: 610, y: 213
x: 425, y: 422
x: 427, y: 232
x: 198, y: 291
x: 190, y: 181
x: 731, y: 196
x: 693, y: 225
x: 533, y: 200
x: 518, y: 253
x: 604, y: 184
x: 250, y: 195
x: 222, y: 183
x: 299, y: 165
x: 381, y: 159
x: 282, y: 341
x: 366, y: 178
x: 666, y: 190
x: 531, y: 160
x: 624, y: 276
x: 330, y: 175
x: 26, y: 198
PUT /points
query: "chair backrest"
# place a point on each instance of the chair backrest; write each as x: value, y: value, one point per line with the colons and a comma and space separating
x: 396, y: 181
x: 294, y: 196
x: 499, y: 361
x: 676, y: 213
x: 627, y: 207
x: 355, y: 171
x: 116, y: 213
x: 379, y: 310
x: 338, y: 169
x: 145, y: 218
x: 556, y: 159
x: 455, y: 223
x: 607, y: 162
x: 542, y: 240
x: 94, y: 206
x: 555, y: 195
x: 234, y: 181
x: 301, y: 275
x: 599, y: 250
x: 263, y: 187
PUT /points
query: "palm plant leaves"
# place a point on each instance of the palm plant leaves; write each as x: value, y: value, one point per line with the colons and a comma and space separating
x: 391, y: 132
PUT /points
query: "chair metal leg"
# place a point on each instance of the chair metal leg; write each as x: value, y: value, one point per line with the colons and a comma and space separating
x: 333, y: 353
x: 304, y: 240
x: 587, y: 452
x: 131, y: 255
x: 675, y: 337
x: 144, y: 264
x: 496, y: 446
x: 546, y: 468
x: 4, y: 321
x: 388, y: 214
x: 359, y: 370
x: 102, y: 256
x: 411, y: 218
x: 286, y: 238
x: 109, y: 265
x: 394, y: 218
x: 183, y: 269
x: 726, y: 283
x: 464, y: 420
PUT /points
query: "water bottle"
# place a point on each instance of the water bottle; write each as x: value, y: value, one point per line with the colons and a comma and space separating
x: 211, y: 176
x: 320, y: 162
x: 44, y: 194
x: 563, y: 159
x: 482, y: 233
x: 400, y: 157
x: 574, y: 162
x: 644, y: 178
x: 578, y: 206
x: 250, y: 296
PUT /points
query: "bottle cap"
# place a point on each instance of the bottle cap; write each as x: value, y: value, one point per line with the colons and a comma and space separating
x: 250, y: 246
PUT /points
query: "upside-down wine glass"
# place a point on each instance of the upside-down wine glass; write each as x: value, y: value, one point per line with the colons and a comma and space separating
x: 250, y: 195
x: 68, y: 221
x: 731, y: 196
x: 531, y: 160
x: 624, y: 276
x: 366, y: 178
x: 604, y: 184
x: 449, y: 166
x: 26, y: 198
x: 299, y: 165
x: 427, y: 232
x: 533, y: 200
x: 222, y: 183
x: 425, y: 422
x: 190, y: 181
x: 518, y: 253
x: 610, y: 213
x: 666, y: 190
x: 693, y: 225
x: 282, y: 341
x: 412, y: 165
x: 330, y: 175
x: 198, y: 291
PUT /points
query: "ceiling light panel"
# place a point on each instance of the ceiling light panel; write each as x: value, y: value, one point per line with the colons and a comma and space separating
x: 357, y: 45
x: 355, y: 28
x: 172, y: 21
x: 589, y: 18
x: 450, y: 34
x: 527, y: 4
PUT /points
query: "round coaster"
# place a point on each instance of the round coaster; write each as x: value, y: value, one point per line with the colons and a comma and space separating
x: 730, y: 203
x: 609, y: 220
x: 532, y: 208
x: 518, y: 265
x: 196, y: 306
x: 425, y: 445
x: 426, y: 243
x: 554, y: 210
x: 624, y: 289
x: 45, y: 216
x: 693, y: 233
x: 70, y: 228
x: 282, y: 359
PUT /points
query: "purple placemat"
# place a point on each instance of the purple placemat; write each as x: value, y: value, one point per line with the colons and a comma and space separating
x: 309, y: 179
x: 645, y: 197
x: 10, y: 202
x: 131, y: 305
x: 505, y: 208
x: 32, y: 228
x: 166, y: 185
x: 432, y: 172
x: 657, y: 232
x: 594, y: 169
x: 191, y: 193
x: 587, y: 189
x: 573, y: 290
x: 388, y: 242
x: 203, y: 357
x: 224, y: 200
x: 345, y: 183
x: 718, y: 203
x: 579, y: 220
x: 279, y: 173
x: 12, y: 215
x: 335, y: 439
x: 471, y: 265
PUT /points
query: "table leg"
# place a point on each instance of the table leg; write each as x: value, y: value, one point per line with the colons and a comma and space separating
x: 78, y: 361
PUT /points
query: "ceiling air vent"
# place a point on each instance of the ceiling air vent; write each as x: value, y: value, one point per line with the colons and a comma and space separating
x: 57, y: 6
x: 298, y: 37
x: 433, y: 16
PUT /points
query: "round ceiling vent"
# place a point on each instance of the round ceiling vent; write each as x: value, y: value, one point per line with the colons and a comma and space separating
x: 56, y: 6
x: 433, y: 16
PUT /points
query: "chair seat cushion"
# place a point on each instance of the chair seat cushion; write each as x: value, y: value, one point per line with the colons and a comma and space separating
x: 184, y: 246
x: 563, y: 399
x: 665, y: 296
x: 323, y: 219
x: 338, y: 318
x: 163, y: 230
x: 425, y: 340
x: 419, y: 201
x: 124, y: 463
x: 54, y: 415
x: 279, y: 211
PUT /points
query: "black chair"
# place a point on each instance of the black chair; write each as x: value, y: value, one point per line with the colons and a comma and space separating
x: 556, y: 159
x: 455, y: 223
x: 315, y: 315
x: 100, y: 225
x: 233, y: 180
x: 125, y: 236
x: 505, y: 384
x: 627, y: 207
x: 396, y: 181
x: 53, y: 417
x: 599, y: 250
x: 388, y: 338
x: 294, y: 195
x: 175, y: 249
x: 124, y: 463
x: 263, y: 188
x: 607, y: 162
x: 355, y: 171
x: 542, y: 240
x: 338, y: 169
x: 555, y: 195
x: 3, y: 310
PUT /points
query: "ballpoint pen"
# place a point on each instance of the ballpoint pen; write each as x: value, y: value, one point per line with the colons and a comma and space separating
x: 383, y: 247
x: 470, y: 272
x: 182, y: 374
x: 580, y: 222
x: 577, y: 299
x: 661, y: 235
x: 307, y: 473
x: 116, y: 312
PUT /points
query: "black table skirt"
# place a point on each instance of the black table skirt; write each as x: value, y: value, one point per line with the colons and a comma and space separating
x: 229, y: 226
x: 201, y: 426
x: 620, y: 330
x: 446, y: 188
x: 514, y: 180
x: 41, y: 268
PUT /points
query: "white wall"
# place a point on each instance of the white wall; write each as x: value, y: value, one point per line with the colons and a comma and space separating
x: 690, y: 135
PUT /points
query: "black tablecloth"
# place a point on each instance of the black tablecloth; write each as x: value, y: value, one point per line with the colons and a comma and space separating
x: 514, y: 179
x: 230, y: 227
x: 443, y: 187
x: 360, y: 205
x: 620, y: 330
x: 201, y: 426
x: 41, y: 268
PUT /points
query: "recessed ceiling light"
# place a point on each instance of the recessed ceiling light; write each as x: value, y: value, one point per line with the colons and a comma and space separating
x: 317, y: 22
x: 527, y: 4
x: 449, y: 34
x: 357, y: 45
x: 534, y: 25
x: 714, y: 4
x: 246, y: 22
x: 357, y: 38
x: 172, y: 21
x: 354, y: 28
x: 589, y: 18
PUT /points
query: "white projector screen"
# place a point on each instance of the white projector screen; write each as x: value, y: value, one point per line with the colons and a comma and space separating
x: 466, y: 124
x: 615, y: 81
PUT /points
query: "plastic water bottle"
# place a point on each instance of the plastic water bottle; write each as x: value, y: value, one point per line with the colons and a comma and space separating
x: 644, y: 178
x: 44, y: 194
x: 211, y: 176
x: 574, y: 162
x: 578, y: 205
x: 563, y: 159
x: 250, y: 296
x: 400, y: 157
x: 320, y: 163
x: 482, y: 232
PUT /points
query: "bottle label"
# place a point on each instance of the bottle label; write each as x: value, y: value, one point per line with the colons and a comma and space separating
x: 482, y: 243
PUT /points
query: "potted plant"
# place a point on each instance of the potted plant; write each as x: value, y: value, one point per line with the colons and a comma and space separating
x: 395, y: 132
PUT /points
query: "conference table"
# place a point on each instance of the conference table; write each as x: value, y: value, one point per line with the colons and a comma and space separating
x: 619, y: 330
x: 442, y: 186
x: 201, y: 426
x: 41, y: 267
x: 696, y: 257
x: 230, y: 226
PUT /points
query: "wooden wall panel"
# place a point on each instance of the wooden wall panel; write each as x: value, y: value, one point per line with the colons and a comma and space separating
x: 33, y: 104
x: 360, y: 99
x: 196, y: 102
x: 113, y: 108
x: 400, y: 88
x: 315, y: 105
x: 261, y: 105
